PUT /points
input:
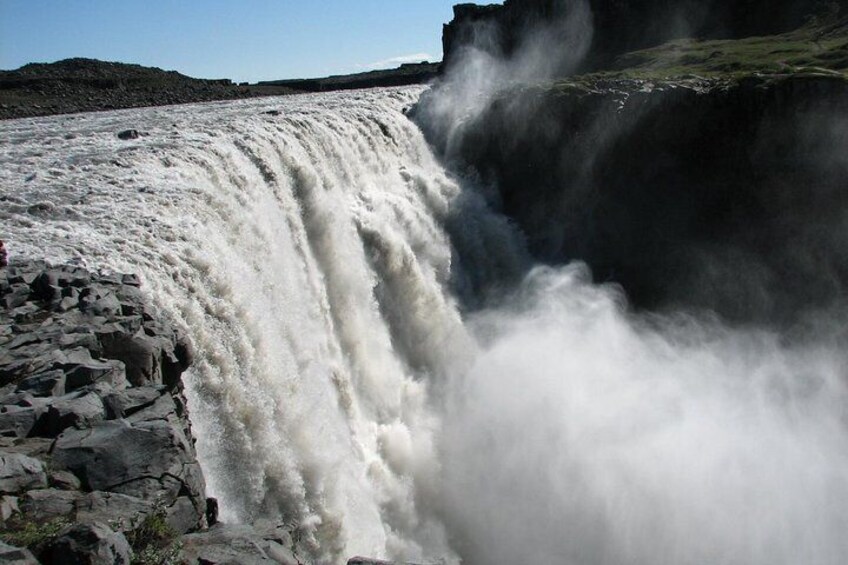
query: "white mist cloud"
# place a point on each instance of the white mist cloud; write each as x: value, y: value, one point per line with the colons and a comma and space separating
x: 583, y: 435
x: 547, y: 48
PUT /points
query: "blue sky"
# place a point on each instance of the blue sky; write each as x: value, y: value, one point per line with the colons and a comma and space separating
x: 238, y: 39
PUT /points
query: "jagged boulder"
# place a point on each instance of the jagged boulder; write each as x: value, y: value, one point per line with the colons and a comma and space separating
x: 125, y: 513
x: 128, y: 134
x: 123, y: 454
x: 43, y: 505
x: 88, y: 544
x: 19, y: 473
x: 16, y: 556
x: 226, y: 543
x: 119, y: 455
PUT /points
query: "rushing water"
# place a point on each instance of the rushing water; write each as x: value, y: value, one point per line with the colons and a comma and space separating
x: 364, y: 373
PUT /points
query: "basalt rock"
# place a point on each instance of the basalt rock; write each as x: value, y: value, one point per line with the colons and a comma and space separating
x: 96, y: 449
x: 123, y: 450
x: 721, y: 194
x: 16, y: 556
x: 90, y: 544
x: 620, y: 26
x: 253, y: 545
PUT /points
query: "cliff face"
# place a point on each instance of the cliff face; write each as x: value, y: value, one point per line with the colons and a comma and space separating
x: 712, y: 193
x: 625, y: 25
x: 706, y: 174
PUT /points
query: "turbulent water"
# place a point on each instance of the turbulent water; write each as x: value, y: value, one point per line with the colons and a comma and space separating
x: 367, y: 372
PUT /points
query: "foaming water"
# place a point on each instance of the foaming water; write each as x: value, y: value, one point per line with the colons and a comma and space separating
x: 315, y: 256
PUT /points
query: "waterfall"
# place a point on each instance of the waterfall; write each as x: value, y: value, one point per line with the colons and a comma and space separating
x: 366, y: 371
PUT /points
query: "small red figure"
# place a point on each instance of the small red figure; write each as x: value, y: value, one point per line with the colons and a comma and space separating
x: 4, y: 258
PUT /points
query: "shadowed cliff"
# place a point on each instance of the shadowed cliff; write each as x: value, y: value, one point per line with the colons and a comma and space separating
x: 696, y: 174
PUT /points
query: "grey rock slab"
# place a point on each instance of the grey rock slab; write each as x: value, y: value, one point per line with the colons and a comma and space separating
x: 89, y: 544
x: 45, y: 286
x: 67, y: 303
x: 165, y: 489
x: 113, y: 454
x: 20, y: 472
x: 85, y: 374
x: 11, y: 555
x: 63, y: 480
x: 141, y: 354
x: 182, y: 516
x: 280, y: 553
x: 225, y: 544
x: 77, y: 410
x: 21, y: 340
x: 8, y: 507
x: 51, y: 383
x: 127, y: 402
x: 17, y: 421
x: 122, y: 512
x: 273, y: 531
x: 163, y: 408
x: 47, y: 504
x: 33, y: 446
x: 108, y: 305
x: 15, y: 369
x: 69, y: 358
x: 80, y: 339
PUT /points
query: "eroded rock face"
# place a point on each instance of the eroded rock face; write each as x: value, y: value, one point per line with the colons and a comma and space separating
x: 123, y: 450
x: 89, y: 544
x: 96, y: 449
x: 19, y: 472
x: 89, y: 330
x: 726, y: 195
x: 619, y: 26
x: 15, y: 555
x: 228, y: 543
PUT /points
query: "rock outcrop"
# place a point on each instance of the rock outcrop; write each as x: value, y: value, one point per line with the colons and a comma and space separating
x: 620, y: 26
x: 724, y: 194
x: 97, y: 459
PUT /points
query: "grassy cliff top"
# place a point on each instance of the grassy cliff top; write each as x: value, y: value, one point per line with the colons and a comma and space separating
x: 817, y: 50
x: 818, y: 47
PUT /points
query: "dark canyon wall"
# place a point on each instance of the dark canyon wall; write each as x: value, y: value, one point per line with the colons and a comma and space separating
x: 727, y: 195
x: 625, y: 25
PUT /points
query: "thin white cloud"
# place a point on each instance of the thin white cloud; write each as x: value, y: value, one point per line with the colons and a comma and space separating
x: 397, y: 61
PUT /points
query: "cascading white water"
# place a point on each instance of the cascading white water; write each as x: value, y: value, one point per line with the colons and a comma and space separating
x: 306, y: 254
x: 315, y: 256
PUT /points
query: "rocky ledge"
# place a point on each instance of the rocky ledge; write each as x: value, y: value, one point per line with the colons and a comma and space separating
x: 724, y: 194
x: 97, y: 459
x: 620, y: 26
